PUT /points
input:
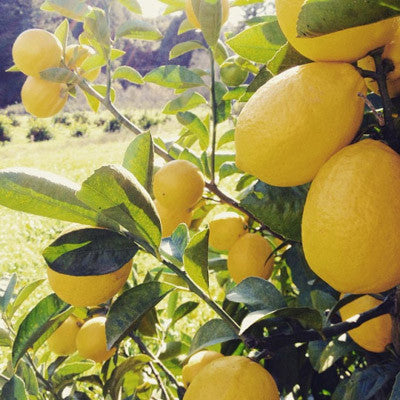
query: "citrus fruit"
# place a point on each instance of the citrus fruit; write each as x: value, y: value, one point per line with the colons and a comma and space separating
x: 288, y: 129
x: 225, y: 229
x: 248, y: 257
x: 91, y: 340
x: 373, y: 335
x: 196, y: 363
x: 351, y: 220
x: 191, y: 16
x: 178, y: 185
x: 345, y: 45
x: 231, y: 72
x: 75, y: 56
x: 35, y: 50
x: 170, y: 219
x: 86, y: 291
x: 42, y: 98
x: 62, y: 341
x: 233, y: 378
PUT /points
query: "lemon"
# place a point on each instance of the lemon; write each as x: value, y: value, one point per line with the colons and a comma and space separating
x: 170, y: 219
x: 351, y: 219
x: 75, y: 56
x: 297, y: 120
x: 178, y: 185
x: 233, y: 378
x: 231, y: 72
x: 248, y: 257
x: 373, y: 335
x: 62, y: 341
x: 87, y: 291
x: 91, y: 340
x: 42, y: 98
x: 345, y: 45
x: 191, y: 16
x: 196, y: 363
x: 225, y: 229
x: 35, y: 50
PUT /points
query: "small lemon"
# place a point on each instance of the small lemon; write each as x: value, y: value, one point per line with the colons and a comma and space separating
x: 170, y: 219
x: 62, y: 341
x: 191, y: 16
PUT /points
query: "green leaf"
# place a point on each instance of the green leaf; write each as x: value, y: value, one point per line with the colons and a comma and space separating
x: 258, y: 43
x: 96, y: 26
x: 183, y: 310
x: 220, y: 52
x: 68, y: 371
x: 174, y: 76
x: 14, y: 389
x: 195, y: 125
x: 131, y: 306
x: 115, y: 192
x: 5, y: 339
x: 138, y: 29
x: 235, y: 93
x: 185, y: 102
x: 173, y: 350
x: 102, y: 90
x: 257, y: 294
x: 261, y: 78
x: 280, y: 208
x: 74, y: 9
x: 319, y: 17
x: 139, y: 159
x: 132, y: 5
x: 23, y: 294
x: 62, y: 32
x: 211, y: 333
x: 396, y: 388
x: 39, y: 324
x: 6, y: 295
x: 185, y: 47
x: 185, y: 26
x: 61, y: 75
x: 227, y: 137
x: 173, y: 247
x: 129, y: 74
x: 195, y: 259
x: 89, y: 251
x: 228, y: 169
x: 44, y: 194
x: 27, y: 374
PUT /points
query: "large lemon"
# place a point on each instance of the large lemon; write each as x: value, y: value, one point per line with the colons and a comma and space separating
x: 345, y: 45
x: 225, y: 229
x: 178, y: 185
x: 91, y: 340
x: 35, y: 50
x: 196, y: 363
x: 87, y: 291
x: 75, y: 56
x: 373, y: 335
x: 351, y: 220
x: 233, y: 378
x: 170, y: 219
x: 191, y: 16
x: 42, y: 98
x: 250, y: 256
x: 62, y: 341
x: 297, y: 120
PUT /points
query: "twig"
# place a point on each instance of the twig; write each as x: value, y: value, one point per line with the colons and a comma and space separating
x: 214, y: 108
x: 159, y: 381
x: 378, y: 115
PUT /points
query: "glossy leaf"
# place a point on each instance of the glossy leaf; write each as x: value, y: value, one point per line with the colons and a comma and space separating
x: 183, y: 310
x: 7, y: 293
x: 184, y: 47
x: 174, y: 247
x: 261, y: 79
x: 228, y: 169
x: 185, y: 102
x: 14, y: 389
x: 195, y: 125
x: 286, y: 57
x: 129, y: 74
x: 227, y: 137
x: 138, y: 29
x: 174, y: 76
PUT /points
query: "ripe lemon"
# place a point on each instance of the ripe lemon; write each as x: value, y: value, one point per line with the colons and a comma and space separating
x: 75, y: 55
x: 351, y: 219
x: 196, y: 363
x: 373, y: 335
x: 35, y: 50
x: 170, y: 219
x: 88, y: 291
x: 288, y: 129
x: 191, y: 16
x: 178, y: 185
x: 248, y: 257
x: 42, y: 98
x: 233, y: 378
x: 62, y: 341
x: 91, y: 340
x: 345, y: 45
x: 225, y: 229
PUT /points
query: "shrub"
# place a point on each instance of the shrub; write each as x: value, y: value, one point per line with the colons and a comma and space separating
x: 80, y: 117
x: 147, y: 121
x: 79, y: 130
x: 62, y: 119
x: 113, y: 125
x: 4, y: 136
x: 100, y: 121
x: 39, y: 132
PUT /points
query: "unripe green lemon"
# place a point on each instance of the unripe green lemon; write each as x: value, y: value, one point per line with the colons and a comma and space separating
x: 62, y: 341
x: 191, y: 16
x: 232, y: 74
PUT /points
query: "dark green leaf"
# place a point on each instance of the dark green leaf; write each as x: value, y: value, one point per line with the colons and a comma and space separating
x: 228, y: 169
x: 14, y: 389
x: 286, y: 57
x: 261, y: 78
x: 68, y: 371
x: 183, y: 310
x: 27, y: 374
x: 396, y: 388
x: 138, y: 29
x: 174, y: 76
x: 174, y: 246
x: 173, y: 350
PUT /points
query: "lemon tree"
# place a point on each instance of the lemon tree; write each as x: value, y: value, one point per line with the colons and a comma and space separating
x: 256, y: 255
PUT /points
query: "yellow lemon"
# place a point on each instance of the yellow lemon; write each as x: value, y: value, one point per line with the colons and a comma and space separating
x: 87, y: 291
x: 346, y: 45
x: 287, y: 130
x: 91, y: 340
x: 233, y: 378
x: 196, y: 363
x: 35, y: 50
x: 191, y: 16
x: 373, y: 335
x: 248, y: 257
x: 351, y: 219
x: 62, y: 341
x: 42, y: 98
x: 178, y: 185
x: 75, y: 55
x: 170, y: 219
x: 225, y: 229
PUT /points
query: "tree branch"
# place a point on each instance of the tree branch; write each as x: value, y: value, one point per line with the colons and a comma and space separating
x: 214, y: 107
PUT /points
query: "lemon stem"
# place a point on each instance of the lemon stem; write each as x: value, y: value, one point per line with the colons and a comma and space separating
x: 214, y: 108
